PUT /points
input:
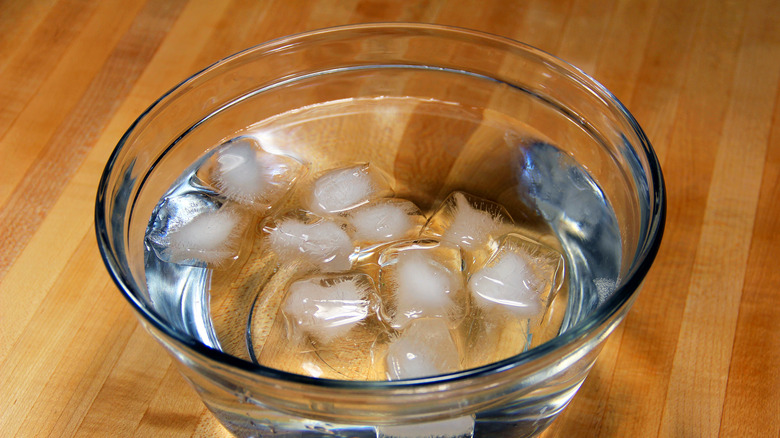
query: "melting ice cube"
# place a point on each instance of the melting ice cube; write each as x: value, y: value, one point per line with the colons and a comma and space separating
x: 241, y: 171
x: 422, y: 279
x: 511, y: 293
x: 326, y: 308
x: 425, y: 348
x: 328, y: 327
x: 506, y: 283
x: 195, y: 229
x: 211, y: 237
x: 519, y: 279
x: 342, y: 189
x: 320, y: 241
x: 385, y: 220
x: 469, y: 222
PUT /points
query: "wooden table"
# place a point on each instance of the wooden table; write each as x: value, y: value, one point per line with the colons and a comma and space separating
x: 698, y: 355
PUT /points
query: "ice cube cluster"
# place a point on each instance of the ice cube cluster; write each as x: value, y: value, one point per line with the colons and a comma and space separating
x: 205, y: 221
x: 428, y: 277
x: 380, y: 283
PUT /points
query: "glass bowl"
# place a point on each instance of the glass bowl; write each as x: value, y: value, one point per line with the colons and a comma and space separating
x: 438, y: 109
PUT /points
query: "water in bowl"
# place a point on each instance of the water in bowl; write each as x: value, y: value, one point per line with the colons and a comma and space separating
x: 321, y: 272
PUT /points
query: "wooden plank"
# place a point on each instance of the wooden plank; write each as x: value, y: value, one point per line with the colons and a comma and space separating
x: 701, y: 362
x: 51, y: 95
x: 650, y: 337
x: 75, y: 379
x: 18, y: 20
x: 624, y: 48
x: 174, y: 411
x: 586, y: 18
x: 40, y: 344
x: 664, y: 69
x: 754, y: 376
x: 24, y: 210
x: 133, y: 379
x: 31, y: 62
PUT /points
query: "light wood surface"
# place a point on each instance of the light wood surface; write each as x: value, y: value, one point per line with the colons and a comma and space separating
x: 698, y: 355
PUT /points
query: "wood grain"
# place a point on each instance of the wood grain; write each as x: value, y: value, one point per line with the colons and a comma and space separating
x: 697, y: 355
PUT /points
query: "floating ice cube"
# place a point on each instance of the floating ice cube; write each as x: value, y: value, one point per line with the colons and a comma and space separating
x: 467, y: 221
x: 422, y: 279
x: 327, y: 326
x: 173, y: 211
x: 425, y: 348
x: 385, y: 220
x: 320, y: 241
x: 241, y: 171
x: 519, y: 279
x: 342, y: 189
x: 211, y: 237
x: 506, y: 283
x: 196, y: 229
x: 326, y: 308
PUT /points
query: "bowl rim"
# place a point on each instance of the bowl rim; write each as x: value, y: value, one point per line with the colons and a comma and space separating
x: 647, y: 250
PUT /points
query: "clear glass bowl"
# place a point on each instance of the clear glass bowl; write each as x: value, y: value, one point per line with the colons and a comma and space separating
x: 440, y: 109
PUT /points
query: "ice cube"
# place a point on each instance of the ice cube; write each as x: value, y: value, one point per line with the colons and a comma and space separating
x: 341, y: 189
x: 520, y: 278
x: 467, y: 221
x: 425, y: 348
x: 494, y: 336
x: 470, y: 222
x: 211, y: 237
x: 326, y: 308
x: 173, y: 211
x: 506, y: 284
x: 242, y: 171
x: 320, y: 241
x: 327, y: 327
x: 195, y: 228
x: 385, y: 220
x: 270, y: 297
x: 512, y: 292
x: 422, y: 279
